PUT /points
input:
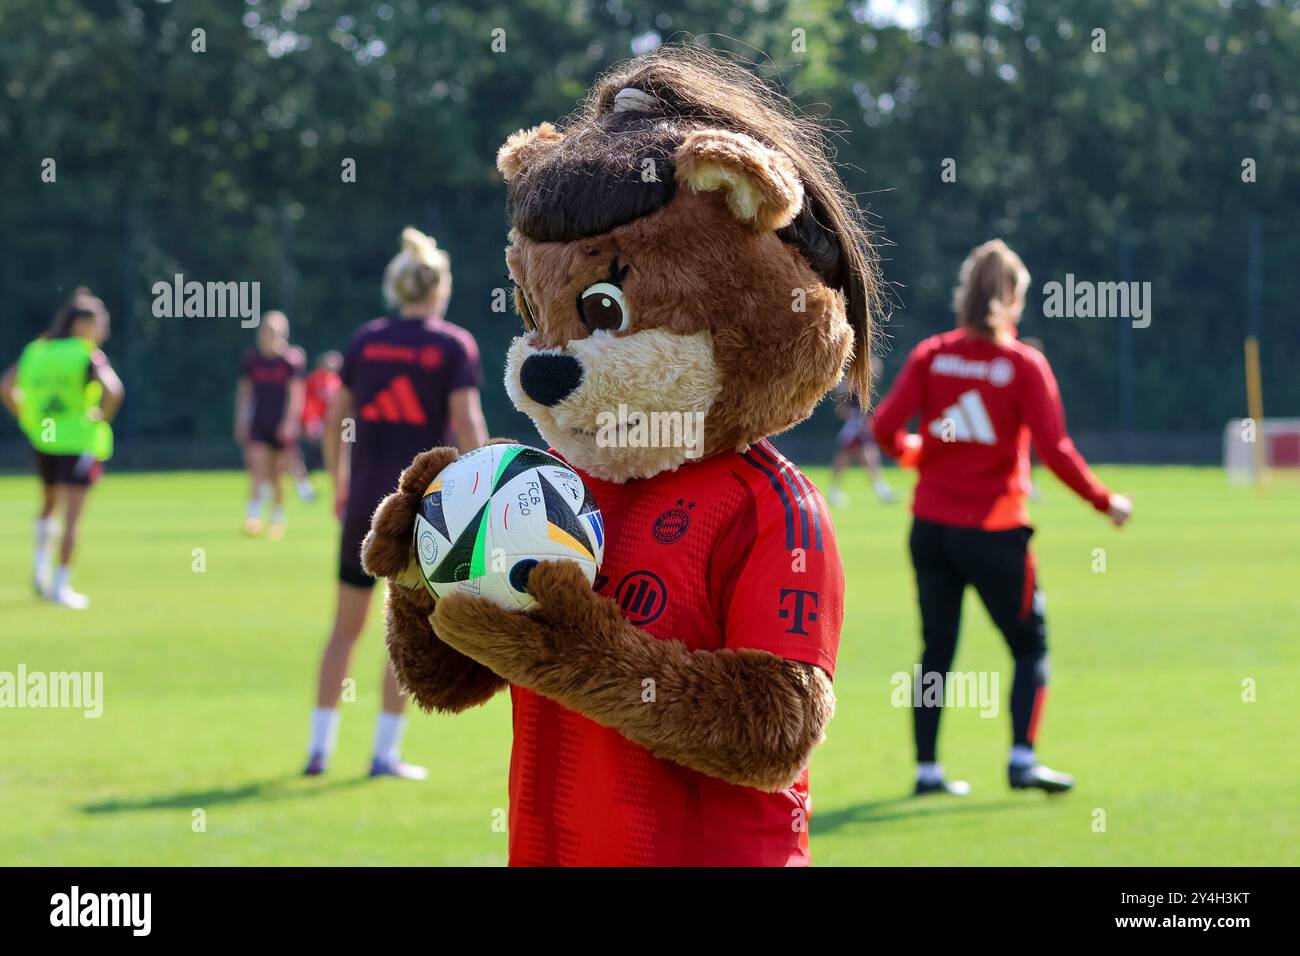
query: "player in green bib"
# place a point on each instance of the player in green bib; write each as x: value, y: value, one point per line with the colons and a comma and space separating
x: 64, y: 393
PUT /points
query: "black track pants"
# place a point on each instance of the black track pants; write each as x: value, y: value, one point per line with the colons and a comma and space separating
x: 1000, y: 566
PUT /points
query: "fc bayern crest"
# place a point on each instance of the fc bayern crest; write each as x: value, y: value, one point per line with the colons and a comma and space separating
x: 673, y: 523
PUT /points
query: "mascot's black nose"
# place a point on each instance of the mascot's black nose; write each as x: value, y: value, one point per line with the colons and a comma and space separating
x: 549, y: 379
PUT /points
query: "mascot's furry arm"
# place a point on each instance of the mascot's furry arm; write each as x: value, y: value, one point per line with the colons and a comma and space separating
x: 745, y: 716
x: 438, y: 676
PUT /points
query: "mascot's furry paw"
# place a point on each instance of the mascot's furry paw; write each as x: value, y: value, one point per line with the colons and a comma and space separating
x: 435, y: 674
x: 569, y: 622
x: 387, y: 551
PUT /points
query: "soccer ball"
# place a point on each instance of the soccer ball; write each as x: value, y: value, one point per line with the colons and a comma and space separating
x: 490, y: 516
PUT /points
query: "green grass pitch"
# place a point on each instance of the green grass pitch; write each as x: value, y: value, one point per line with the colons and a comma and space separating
x: 209, y: 677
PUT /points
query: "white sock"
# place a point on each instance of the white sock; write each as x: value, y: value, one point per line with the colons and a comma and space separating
x: 929, y: 772
x: 388, y: 736
x: 254, y: 508
x: 277, y: 515
x: 324, y: 730
x: 61, y: 577
x: 46, y: 529
x: 1022, y: 756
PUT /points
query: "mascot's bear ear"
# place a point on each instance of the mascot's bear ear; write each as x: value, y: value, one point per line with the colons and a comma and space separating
x: 762, y: 186
x: 524, y: 146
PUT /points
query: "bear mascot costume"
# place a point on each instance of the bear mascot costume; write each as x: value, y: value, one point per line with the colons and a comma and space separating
x: 680, y: 245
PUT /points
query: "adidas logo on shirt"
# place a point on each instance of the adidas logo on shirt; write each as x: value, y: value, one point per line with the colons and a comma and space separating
x: 966, y: 420
x: 397, y: 402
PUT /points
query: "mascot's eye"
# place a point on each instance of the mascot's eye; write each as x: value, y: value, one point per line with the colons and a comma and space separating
x: 525, y: 310
x: 602, y: 306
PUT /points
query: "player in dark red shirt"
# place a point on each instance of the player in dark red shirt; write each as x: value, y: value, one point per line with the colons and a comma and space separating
x: 268, y: 410
x: 982, y: 396
x: 409, y: 381
x: 687, y: 551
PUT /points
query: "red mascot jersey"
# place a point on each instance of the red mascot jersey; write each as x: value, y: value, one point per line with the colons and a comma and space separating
x: 980, y: 401
x: 731, y: 551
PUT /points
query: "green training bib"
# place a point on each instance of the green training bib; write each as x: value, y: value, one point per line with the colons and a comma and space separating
x: 58, y: 397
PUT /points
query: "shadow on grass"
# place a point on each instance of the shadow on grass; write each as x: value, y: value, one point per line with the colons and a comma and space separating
x: 903, y: 808
x: 271, y: 790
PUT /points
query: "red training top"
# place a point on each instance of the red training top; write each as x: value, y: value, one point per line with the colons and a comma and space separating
x: 732, y: 551
x: 322, y: 383
x: 980, y: 401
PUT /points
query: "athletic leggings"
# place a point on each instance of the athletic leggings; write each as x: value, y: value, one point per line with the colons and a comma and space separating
x: 1000, y: 566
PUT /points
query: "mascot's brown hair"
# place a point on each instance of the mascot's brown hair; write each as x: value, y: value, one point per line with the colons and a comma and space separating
x: 682, y: 246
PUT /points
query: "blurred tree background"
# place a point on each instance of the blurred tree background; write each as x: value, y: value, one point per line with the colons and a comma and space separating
x: 1122, y: 163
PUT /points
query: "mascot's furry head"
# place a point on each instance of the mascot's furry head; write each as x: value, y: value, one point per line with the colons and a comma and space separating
x: 682, y: 245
